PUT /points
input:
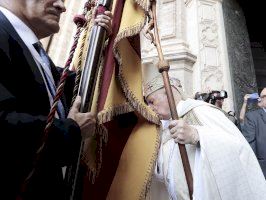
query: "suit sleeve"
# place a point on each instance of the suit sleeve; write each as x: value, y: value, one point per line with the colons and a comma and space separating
x: 24, y: 131
x: 249, y: 131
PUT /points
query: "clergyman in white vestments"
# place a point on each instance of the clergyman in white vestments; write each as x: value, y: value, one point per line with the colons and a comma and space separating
x: 223, y: 164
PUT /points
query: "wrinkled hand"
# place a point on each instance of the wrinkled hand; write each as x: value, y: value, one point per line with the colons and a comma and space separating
x: 183, y: 133
x: 104, y: 20
x: 86, y: 121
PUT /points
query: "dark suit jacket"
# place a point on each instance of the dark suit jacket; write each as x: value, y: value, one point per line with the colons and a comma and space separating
x: 254, y: 131
x: 24, y: 106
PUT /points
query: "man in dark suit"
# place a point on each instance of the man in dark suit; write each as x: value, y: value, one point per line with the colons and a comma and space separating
x: 254, y: 130
x: 27, y: 86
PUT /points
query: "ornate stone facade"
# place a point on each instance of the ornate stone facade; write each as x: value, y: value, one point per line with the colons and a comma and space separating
x: 193, y: 40
x: 205, y: 42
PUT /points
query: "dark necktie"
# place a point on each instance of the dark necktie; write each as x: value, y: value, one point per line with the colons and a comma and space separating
x: 46, y: 69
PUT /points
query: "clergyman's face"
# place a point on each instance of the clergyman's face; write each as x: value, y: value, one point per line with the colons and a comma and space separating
x: 159, y: 104
x: 43, y: 16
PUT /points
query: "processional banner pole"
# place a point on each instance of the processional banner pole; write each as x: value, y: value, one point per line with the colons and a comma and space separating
x: 88, y: 82
x: 163, y: 67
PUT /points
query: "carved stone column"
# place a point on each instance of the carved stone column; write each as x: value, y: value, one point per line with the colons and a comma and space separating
x: 211, y: 71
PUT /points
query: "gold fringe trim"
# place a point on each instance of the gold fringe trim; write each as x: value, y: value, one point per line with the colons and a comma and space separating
x: 128, y: 32
x: 108, y: 114
x: 147, y: 184
x: 143, y: 4
x: 94, y: 164
x: 135, y: 103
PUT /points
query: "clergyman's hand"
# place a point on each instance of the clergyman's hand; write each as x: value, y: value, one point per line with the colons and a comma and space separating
x: 183, y: 133
x: 86, y: 121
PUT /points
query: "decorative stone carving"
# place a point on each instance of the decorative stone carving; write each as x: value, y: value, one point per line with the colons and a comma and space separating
x: 167, y: 20
x: 212, y: 75
x: 209, y: 34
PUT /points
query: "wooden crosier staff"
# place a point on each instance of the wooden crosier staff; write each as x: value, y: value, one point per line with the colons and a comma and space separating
x: 164, y: 67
